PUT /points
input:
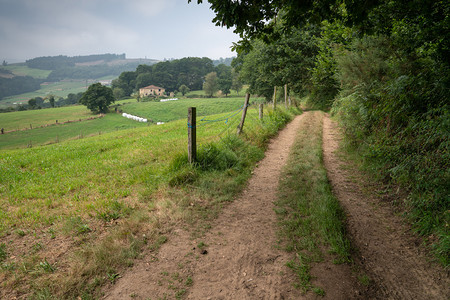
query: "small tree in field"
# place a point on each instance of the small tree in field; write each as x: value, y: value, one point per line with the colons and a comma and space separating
x: 210, y: 86
x: 184, y: 89
x: 51, y: 100
x: 97, y: 98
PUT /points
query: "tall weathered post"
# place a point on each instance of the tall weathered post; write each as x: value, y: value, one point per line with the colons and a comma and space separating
x: 274, y: 97
x: 285, y: 96
x: 261, y: 111
x: 192, y: 135
x: 244, y: 113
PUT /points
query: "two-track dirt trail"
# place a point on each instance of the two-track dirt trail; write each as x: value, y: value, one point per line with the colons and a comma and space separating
x: 241, y: 260
x: 387, y: 250
x: 238, y: 259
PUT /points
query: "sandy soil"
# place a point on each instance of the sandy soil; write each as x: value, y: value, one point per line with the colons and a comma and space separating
x: 238, y: 258
x: 388, y: 252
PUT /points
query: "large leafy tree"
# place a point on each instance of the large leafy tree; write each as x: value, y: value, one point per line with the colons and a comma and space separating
x: 97, y: 98
x: 225, y: 79
x: 384, y: 67
x: 236, y: 82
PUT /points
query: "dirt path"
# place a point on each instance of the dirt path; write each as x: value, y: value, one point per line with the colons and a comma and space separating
x: 388, y: 252
x: 238, y: 258
x: 239, y: 261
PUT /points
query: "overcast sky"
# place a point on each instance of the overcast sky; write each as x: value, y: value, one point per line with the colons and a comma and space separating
x: 139, y: 28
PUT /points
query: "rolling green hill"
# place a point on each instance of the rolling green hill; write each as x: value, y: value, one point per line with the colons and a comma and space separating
x: 156, y: 111
x: 22, y: 69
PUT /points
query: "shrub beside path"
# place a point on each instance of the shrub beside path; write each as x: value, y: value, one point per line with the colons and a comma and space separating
x: 387, y: 250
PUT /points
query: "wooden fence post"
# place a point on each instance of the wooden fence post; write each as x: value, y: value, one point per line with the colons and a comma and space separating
x: 285, y: 96
x: 192, y: 135
x: 261, y: 111
x: 244, y: 113
x: 274, y: 97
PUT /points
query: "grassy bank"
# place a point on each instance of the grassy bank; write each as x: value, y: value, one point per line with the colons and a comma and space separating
x: 310, y: 218
x: 74, y: 215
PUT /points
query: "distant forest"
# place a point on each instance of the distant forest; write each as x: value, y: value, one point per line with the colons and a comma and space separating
x: 18, y: 85
x: 64, y: 67
x: 78, y: 67
x: 188, y: 71
x: 62, y: 61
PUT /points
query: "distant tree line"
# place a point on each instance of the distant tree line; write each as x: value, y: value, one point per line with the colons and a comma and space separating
x: 226, y: 61
x: 18, y: 85
x: 62, y: 61
x: 47, y: 102
x: 187, y: 73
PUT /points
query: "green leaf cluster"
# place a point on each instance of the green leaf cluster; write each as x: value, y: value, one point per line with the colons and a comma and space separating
x: 381, y: 65
x: 97, y: 98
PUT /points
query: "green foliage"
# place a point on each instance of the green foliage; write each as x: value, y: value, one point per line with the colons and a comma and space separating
x: 51, y: 100
x: 97, y: 98
x: 383, y: 66
x: 395, y: 107
x: 211, y: 85
x: 236, y: 82
x: 225, y: 80
x: 325, y: 84
x: 183, y: 89
x: 288, y: 60
x: 18, y: 85
x: 252, y: 71
x: 188, y: 71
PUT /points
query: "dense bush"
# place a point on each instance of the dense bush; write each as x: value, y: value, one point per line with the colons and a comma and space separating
x: 395, y: 109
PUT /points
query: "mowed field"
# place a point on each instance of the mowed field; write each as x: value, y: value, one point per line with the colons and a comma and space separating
x: 173, y: 110
x: 74, y: 214
x: 56, y: 132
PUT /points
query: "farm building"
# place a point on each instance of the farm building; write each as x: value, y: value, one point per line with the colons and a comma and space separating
x: 151, y: 90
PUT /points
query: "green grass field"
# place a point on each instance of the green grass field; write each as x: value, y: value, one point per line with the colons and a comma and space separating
x: 103, y: 198
x: 23, y: 70
x: 174, y: 110
x: 157, y: 111
x: 202, y: 93
x: 59, y: 89
x: 61, y: 132
x: 23, y: 119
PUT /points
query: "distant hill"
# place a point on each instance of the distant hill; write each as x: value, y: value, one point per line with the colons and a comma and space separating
x: 86, y: 67
x: 26, y: 77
